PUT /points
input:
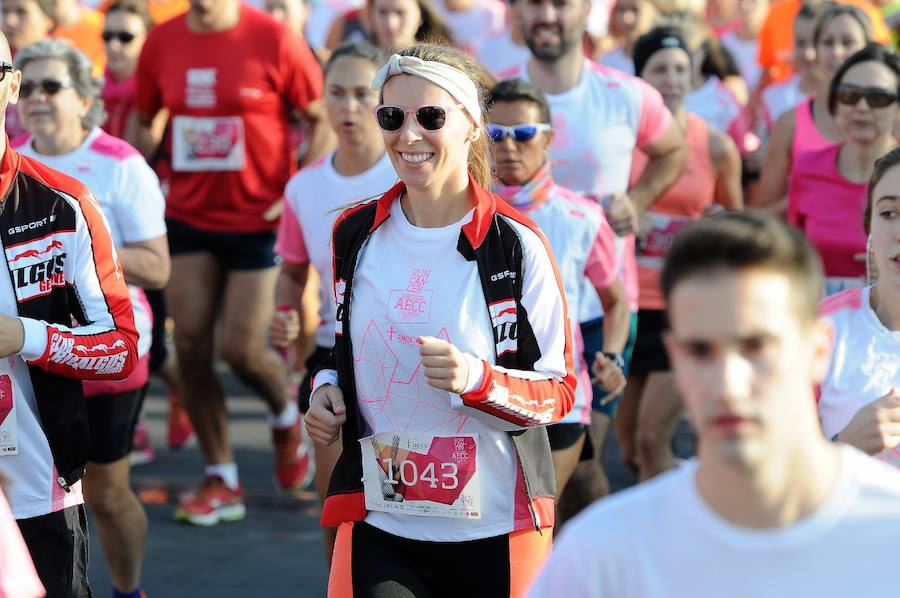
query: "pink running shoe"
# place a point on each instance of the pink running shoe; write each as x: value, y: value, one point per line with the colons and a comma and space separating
x: 142, y: 451
x: 180, y: 432
x: 211, y: 503
x: 294, y: 465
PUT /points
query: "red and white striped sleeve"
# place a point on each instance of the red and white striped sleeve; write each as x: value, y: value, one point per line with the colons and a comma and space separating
x: 518, y: 399
x: 103, y: 346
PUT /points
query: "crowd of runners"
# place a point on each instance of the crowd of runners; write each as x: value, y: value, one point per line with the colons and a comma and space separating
x: 553, y: 221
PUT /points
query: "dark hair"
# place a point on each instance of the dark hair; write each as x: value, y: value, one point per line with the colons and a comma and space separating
x: 882, y: 165
x: 872, y: 52
x: 514, y: 90
x: 361, y: 49
x: 432, y: 29
x: 836, y: 10
x: 739, y: 241
x: 135, y: 7
x: 813, y: 10
x: 480, y: 150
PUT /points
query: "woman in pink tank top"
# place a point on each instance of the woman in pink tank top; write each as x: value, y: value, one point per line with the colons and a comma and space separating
x: 712, y: 175
x: 828, y: 186
x: 841, y: 31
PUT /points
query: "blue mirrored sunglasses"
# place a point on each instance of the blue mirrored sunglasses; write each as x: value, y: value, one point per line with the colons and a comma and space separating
x: 521, y: 132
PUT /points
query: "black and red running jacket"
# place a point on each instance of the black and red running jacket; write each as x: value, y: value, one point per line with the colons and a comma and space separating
x: 492, y: 242
x: 67, y: 279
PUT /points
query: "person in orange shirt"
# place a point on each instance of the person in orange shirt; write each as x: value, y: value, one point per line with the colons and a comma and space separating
x: 776, y: 41
x: 83, y: 27
x: 160, y: 10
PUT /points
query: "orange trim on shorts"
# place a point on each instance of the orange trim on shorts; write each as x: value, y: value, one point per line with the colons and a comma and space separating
x: 340, y: 580
x: 527, y: 551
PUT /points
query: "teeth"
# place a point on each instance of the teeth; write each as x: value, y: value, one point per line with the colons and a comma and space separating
x: 415, y: 158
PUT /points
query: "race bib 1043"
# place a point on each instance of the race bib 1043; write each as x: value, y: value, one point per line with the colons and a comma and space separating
x: 428, y: 476
x: 211, y: 143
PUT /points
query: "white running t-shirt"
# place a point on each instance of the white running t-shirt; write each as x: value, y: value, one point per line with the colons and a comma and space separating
x: 660, y: 539
x: 865, y: 363
x: 401, y: 261
x: 314, y: 198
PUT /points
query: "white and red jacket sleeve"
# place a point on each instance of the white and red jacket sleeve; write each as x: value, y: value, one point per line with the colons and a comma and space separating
x: 103, y: 344
x: 510, y: 399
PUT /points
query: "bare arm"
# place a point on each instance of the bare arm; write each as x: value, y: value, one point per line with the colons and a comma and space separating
x: 322, y: 138
x: 143, y: 135
x: 617, y: 317
x: 776, y: 166
x: 667, y: 157
x: 726, y: 160
x: 146, y: 263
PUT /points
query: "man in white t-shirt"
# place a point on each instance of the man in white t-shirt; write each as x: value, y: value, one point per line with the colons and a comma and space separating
x: 771, y: 508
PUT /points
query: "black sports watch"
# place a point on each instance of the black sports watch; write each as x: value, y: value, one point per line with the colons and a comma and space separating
x: 616, y: 358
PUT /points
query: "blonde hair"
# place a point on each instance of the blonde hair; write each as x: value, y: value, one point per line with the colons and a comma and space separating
x: 479, y: 160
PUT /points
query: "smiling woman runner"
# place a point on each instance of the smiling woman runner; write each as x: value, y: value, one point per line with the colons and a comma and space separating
x: 458, y: 353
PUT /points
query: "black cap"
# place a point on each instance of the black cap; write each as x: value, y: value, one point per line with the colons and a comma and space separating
x: 659, y: 38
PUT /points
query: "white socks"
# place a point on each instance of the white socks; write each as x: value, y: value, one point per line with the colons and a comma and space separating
x: 227, y: 471
x: 286, y: 418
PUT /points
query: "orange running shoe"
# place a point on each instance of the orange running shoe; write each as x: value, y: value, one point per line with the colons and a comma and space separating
x: 211, y: 503
x: 294, y: 465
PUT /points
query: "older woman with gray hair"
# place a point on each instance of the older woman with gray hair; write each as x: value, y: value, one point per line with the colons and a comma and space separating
x: 60, y: 107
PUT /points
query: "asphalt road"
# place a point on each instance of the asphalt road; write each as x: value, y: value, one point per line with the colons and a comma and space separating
x: 275, y: 552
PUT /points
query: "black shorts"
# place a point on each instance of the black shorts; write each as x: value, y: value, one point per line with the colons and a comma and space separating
x: 233, y: 251
x: 313, y: 362
x: 58, y: 543
x: 382, y: 565
x: 112, y: 419
x: 649, y: 352
x: 563, y: 436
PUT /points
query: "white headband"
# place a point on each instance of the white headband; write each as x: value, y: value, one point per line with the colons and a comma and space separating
x: 453, y: 80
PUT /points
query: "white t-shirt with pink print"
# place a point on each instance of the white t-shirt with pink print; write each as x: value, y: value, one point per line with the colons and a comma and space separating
x: 596, y: 126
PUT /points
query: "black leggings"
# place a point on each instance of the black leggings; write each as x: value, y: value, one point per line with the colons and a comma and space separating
x: 386, y: 566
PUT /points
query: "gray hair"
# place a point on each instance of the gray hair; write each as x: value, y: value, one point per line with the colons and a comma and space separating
x: 80, y: 70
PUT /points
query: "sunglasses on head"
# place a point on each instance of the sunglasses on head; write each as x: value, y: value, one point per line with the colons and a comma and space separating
x: 124, y: 37
x: 430, y: 118
x: 521, y: 132
x: 849, y: 95
x: 51, y: 87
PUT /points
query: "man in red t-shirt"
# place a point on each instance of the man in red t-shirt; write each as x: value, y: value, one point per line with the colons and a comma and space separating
x: 229, y: 76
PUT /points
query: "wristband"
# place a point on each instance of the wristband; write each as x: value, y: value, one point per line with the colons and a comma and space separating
x: 616, y: 358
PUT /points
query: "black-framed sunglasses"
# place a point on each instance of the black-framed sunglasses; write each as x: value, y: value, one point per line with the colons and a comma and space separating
x: 124, y: 37
x: 51, y: 87
x: 5, y: 67
x: 876, y: 97
x: 521, y: 132
x: 431, y: 118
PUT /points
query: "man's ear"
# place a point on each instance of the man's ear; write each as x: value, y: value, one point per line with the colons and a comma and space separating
x: 15, y: 85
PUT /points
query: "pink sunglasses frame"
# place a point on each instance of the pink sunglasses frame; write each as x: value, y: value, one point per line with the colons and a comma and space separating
x: 414, y: 111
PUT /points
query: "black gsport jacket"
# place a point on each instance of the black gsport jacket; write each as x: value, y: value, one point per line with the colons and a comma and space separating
x: 70, y: 286
x: 524, y: 402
